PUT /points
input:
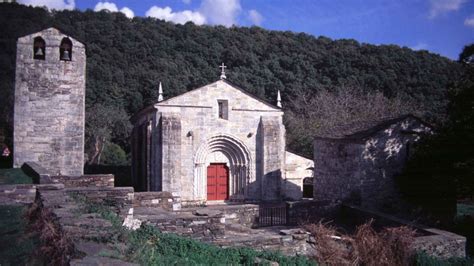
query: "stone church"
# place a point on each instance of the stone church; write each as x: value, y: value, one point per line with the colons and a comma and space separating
x: 216, y: 143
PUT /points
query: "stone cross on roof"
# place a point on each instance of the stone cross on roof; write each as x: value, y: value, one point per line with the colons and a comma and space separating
x: 223, y: 67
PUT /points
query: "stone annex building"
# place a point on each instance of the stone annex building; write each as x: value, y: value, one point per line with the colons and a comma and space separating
x: 216, y: 143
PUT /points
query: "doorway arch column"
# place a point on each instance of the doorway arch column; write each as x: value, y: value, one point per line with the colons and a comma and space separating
x: 240, y: 166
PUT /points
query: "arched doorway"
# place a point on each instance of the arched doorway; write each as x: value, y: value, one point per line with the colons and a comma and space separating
x: 230, y: 160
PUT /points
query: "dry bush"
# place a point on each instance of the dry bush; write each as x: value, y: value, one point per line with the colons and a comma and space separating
x: 331, y: 248
x: 391, y: 246
x: 400, y: 240
x: 56, y: 248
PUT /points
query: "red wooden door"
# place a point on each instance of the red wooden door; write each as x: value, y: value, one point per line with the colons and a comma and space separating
x: 217, y: 182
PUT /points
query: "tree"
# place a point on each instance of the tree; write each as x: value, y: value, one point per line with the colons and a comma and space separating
x: 320, y: 114
x: 442, y: 167
x: 102, y: 123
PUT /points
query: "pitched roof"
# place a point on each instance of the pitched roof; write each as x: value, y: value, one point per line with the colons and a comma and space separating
x: 364, y: 129
x: 233, y: 85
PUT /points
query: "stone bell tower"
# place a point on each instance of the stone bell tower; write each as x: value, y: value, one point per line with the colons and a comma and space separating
x: 49, y: 102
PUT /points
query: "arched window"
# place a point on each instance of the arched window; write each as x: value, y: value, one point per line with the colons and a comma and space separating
x: 39, y: 48
x: 65, y: 50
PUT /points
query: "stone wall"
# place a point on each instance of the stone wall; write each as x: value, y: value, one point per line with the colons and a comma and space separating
x: 271, y: 158
x: 203, y: 136
x: 363, y: 170
x: 84, y: 180
x: 49, y: 105
x: 310, y: 211
x: 162, y: 199
x: 297, y: 168
x: 119, y: 198
x: 170, y: 174
x: 17, y: 194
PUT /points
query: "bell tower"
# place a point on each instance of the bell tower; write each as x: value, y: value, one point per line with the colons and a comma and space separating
x: 50, y: 102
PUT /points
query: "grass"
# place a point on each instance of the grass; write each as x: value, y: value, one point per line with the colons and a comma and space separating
x: 14, y: 176
x: 149, y: 246
x: 16, y: 245
x: 422, y: 259
x: 465, y: 209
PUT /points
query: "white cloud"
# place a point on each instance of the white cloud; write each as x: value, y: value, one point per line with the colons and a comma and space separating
x: 112, y: 7
x: 128, y: 12
x: 221, y: 12
x: 255, y: 17
x: 420, y: 46
x: 469, y: 21
x: 214, y: 12
x: 180, y: 17
x: 106, y: 6
x: 51, y: 4
x: 438, y: 7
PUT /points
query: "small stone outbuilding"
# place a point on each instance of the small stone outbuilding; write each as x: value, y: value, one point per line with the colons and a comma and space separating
x: 358, y: 162
x: 216, y: 143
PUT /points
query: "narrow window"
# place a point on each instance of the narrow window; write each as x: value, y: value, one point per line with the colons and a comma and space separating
x: 39, y: 48
x: 223, y: 109
x: 308, y: 187
x: 65, y: 50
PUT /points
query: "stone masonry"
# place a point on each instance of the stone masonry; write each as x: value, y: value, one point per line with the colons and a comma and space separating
x: 359, y: 165
x: 174, y: 142
x: 49, y: 105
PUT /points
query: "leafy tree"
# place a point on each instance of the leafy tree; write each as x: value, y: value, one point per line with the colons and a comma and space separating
x: 102, y: 124
x: 442, y: 168
x: 322, y: 113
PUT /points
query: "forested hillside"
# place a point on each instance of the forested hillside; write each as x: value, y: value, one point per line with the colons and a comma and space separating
x: 126, y: 59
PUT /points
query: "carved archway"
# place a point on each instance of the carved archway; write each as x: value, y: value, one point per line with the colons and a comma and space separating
x: 239, y: 161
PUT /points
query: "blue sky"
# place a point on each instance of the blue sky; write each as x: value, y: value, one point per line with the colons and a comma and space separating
x: 440, y: 26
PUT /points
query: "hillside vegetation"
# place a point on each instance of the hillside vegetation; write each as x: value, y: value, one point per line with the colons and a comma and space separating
x: 126, y: 59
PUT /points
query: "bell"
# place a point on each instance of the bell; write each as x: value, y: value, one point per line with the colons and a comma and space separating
x: 66, y: 56
x: 39, y: 52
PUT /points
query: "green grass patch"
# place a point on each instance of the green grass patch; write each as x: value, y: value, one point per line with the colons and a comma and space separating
x: 422, y: 259
x: 16, y: 245
x: 465, y: 209
x: 14, y: 176
x: 149, y: 246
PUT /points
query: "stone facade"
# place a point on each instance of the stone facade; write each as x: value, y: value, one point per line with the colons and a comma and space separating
x: 174, y: 141
x: 360, y: 166
x: 49, y: 103
x: 297, y: 169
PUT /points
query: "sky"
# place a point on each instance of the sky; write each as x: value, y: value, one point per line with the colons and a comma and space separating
x: 439, y: 26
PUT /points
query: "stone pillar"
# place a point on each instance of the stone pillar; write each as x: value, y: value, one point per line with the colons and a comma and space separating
x: 271, y: 145
x: 49, y: 113
x: 171, y: 152
x: 156, y: 154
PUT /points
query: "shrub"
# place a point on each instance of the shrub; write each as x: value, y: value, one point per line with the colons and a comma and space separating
x: 391, y: 246
x: 113, y: 154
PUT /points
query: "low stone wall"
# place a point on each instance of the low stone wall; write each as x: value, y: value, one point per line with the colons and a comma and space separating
x: 203, y: 226
x: 84, y: 180
x: 310, y: 211
x: 161, y: 199
x: 434, y: 242
x: 17, y: 194
x: 119, y: 198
